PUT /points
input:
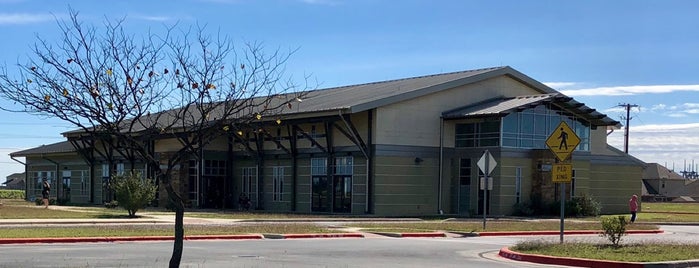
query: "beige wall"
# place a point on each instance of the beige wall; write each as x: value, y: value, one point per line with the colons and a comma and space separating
x: 613, y: 185
x: 405, y: 188
x: 416, y: 122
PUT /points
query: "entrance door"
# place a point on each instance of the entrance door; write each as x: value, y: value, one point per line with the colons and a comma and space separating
x: 320, y: 197
x: 213, y: 192
x: 342, y: 194
x: 465, y: 186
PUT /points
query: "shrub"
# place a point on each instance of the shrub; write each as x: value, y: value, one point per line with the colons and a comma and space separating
x: 12, y: 194
x: 522, y: 209
x: 588, y: 206
x: 132, y: 192
x: 614, y: 228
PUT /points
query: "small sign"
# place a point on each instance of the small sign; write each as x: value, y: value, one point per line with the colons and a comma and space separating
x: 491, y: 163
x: 562, y: 141
x: 482, y: 183
x: 562, y: 173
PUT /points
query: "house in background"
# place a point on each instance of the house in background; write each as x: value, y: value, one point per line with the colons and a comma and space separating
x: 662, y: 184
x: 14, y: 182
x: 399, y: 147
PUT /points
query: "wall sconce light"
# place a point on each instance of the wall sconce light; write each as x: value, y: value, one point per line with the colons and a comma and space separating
x: 418, y: 160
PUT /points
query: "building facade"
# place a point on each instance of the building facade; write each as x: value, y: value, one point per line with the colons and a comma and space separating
x: 395, y: 148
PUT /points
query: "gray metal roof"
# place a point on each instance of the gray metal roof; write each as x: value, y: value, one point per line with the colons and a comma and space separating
x: 59, y: 147
x: 504, y: 106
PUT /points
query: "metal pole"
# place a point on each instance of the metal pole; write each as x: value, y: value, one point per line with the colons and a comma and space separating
x: 563, y: 203
x: 485, y: 187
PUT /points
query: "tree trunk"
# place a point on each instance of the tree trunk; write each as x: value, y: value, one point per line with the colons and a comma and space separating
x: 176, y: 200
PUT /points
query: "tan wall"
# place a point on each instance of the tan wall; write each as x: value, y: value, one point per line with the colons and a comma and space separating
x: 598, y: 142
x: 503, y: 196
x: 405, y: 188
x: 416, y: 122
x: 613, y: 185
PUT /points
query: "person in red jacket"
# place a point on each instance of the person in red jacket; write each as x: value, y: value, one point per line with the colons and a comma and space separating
x: 633, y: 207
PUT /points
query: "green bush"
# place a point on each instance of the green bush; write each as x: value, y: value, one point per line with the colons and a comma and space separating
x: 522, y: 209
x: 587, y: 206
x: 132, y: 192
x: 614, y: 228
x: 12, y: 194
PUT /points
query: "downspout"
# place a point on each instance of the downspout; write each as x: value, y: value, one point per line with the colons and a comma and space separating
x: 58, y: 185
x: 26, y: 178
x: 366, y: 156
x: 441, y: 165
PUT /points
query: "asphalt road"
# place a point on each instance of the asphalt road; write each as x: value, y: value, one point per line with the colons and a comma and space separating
x: 366, y: 252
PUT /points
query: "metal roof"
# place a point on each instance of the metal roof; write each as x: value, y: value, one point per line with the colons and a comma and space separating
x: 59, y: 147
x: 504, y: 106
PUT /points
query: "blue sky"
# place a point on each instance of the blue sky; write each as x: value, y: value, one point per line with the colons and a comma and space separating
x: 602, y: 53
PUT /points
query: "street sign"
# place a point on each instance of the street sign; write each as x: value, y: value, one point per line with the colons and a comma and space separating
x: 562, y: 173
x: 482, y: 183
x: 487, y: 158
x: 562, y: 141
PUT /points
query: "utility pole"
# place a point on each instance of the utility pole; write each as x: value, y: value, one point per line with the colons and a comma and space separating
x: 627, y: 107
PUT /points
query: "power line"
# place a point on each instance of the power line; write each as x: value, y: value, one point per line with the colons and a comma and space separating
x: 627, y: 107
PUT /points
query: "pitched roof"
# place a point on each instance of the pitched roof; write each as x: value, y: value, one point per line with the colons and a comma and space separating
x: 59, y: 147
x: 657, y: 171
x: 504, y: 106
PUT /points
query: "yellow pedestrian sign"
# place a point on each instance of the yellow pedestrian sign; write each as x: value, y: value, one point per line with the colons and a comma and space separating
x: 562, y: 141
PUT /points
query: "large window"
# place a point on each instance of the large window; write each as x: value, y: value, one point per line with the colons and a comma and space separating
x: 249, y: 180
x: 530, y: 128
x: 518, y: 184
x: 480, y: 134
x: 278, y: 183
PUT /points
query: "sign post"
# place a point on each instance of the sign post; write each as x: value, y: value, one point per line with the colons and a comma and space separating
x: 486, y: 164
x: 562, y: 143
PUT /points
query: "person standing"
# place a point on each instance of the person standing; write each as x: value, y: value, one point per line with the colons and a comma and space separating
x: 45, y: 191
x: 633, y: 207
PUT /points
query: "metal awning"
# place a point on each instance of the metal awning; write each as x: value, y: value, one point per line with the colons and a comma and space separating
x: 503, y: 106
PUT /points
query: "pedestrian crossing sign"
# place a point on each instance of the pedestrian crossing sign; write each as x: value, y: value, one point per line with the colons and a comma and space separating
x: 562, y: 141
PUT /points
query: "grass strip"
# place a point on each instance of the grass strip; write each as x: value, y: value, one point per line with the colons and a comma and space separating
x: 646, y: 252
x: 159, y: 230
x: 472, y: 226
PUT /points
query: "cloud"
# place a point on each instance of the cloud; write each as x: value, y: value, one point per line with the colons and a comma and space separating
x: 153, y: 18
x: 558, y: 85
x: 629, y: 90
x: 661, y: 143
x: 24, y: 18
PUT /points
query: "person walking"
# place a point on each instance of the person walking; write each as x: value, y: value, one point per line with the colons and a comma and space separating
x: 633, y: 207
x: 45, y: 192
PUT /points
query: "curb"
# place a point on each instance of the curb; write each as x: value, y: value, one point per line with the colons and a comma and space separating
x: 579, y: 262
x: 121, y: 239
x: 322, y: 235
x: 522, y: 233
x: 419, y: 235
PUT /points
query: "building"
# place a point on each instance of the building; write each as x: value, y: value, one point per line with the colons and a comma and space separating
x: 14, y: 182
x: 399, y: 147
x: 662, y: 184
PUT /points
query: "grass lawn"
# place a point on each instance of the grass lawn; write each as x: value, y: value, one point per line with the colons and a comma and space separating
x: 670, y: 207
x: 474, y: 226
x: 627, y: 253
x: 159, y: 230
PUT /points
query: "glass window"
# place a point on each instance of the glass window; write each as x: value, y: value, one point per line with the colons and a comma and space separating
x: 530, y: 128
x: 518, y: 184
x: 278, y: 183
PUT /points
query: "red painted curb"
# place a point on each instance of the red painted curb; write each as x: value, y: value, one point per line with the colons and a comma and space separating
x: 119, y: 239
x: 509, y: 254
x: 580, y: 232
x: 329, y: 235
x: 423, y: 235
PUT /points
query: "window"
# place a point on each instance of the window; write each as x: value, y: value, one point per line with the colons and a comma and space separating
x: 249, y: 179
x: 40, y: 175
x: 343, y: 165
x: 518, y: 184
x: 465, y: 171
x: 120, y: 168
x: 214, y: 167
x: 84, y: 182
x: 193, y: 182
x: 319, y: 167
x: 278, y: 183
x: 482, y: 134
x: 530, y: 128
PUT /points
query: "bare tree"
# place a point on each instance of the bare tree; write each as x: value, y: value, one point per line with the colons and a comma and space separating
x: 125, y: 91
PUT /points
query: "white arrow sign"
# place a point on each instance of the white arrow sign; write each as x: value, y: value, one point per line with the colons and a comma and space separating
x: 487, y: 163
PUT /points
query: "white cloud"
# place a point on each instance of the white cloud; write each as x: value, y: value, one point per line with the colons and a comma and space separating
x: 153, y: 18
x: 321, y: 2
x: 629, y: 90
x: 557, y: 85
x: 24, y: 18
x: 661, y: 143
